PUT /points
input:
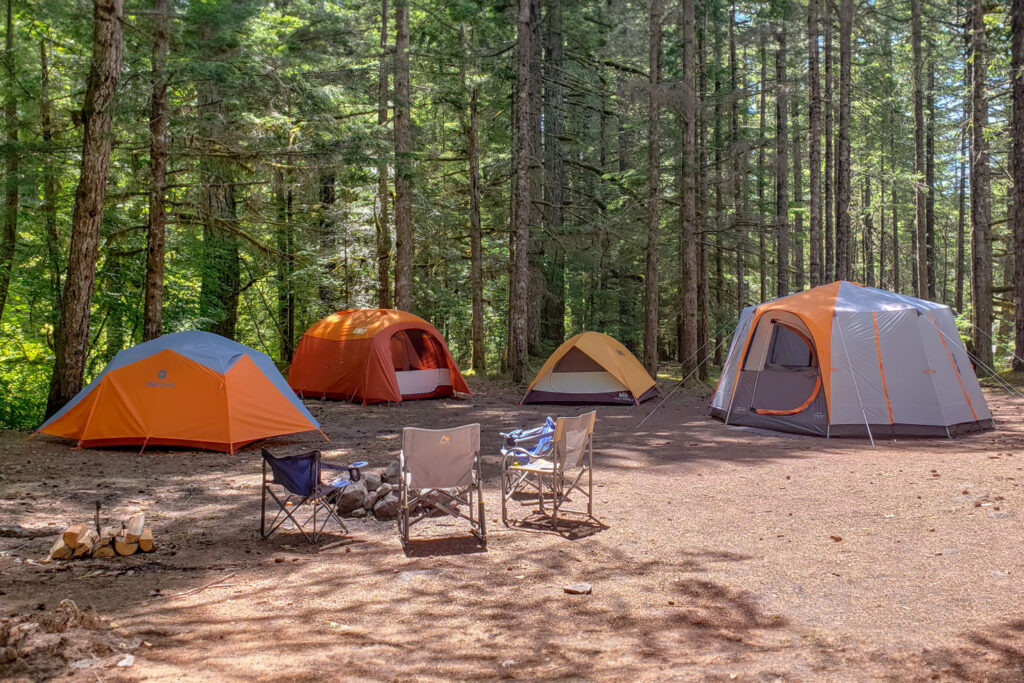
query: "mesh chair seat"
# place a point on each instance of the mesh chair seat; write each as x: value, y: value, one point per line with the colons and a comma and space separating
x: 299, y: 476
x: 539, y: 465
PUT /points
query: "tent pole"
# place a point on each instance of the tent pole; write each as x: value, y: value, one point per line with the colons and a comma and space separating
x: 853, y: 376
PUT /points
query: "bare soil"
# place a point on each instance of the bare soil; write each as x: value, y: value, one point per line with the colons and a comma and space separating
x: 725, y: 554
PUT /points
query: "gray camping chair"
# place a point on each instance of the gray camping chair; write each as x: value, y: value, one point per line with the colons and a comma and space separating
x: 555, y: 473
x: 440, y: 471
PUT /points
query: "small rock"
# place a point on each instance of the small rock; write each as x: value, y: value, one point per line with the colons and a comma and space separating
x: 999, y: 515
x: 393, y: 472
x: 127, y: 661
x: 352, y: 497
x: 371, y: 480
x: 371, y: 499
x: 384, y: 489
x: 387, y: 507
x: 358, y: 513
x: 578, y: 589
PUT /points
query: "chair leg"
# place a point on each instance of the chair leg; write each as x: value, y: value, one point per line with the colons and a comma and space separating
x: 480, y: 513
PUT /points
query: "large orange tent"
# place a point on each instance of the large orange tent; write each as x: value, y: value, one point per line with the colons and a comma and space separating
x: 193, y: 389
x: 374, y: 355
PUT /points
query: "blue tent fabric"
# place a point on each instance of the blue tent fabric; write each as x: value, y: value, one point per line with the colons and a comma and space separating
x: 206, y: 348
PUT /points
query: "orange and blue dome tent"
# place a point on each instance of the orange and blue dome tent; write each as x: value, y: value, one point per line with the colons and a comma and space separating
x: 192, y: 389
x: 374, y: 355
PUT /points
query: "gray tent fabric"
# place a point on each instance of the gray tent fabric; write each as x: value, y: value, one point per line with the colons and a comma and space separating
x: 896, y: 367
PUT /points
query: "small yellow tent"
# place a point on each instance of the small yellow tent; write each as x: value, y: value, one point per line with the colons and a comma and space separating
x: 591, y: 368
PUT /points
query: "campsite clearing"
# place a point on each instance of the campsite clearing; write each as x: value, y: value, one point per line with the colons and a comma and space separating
x: 729, y: 554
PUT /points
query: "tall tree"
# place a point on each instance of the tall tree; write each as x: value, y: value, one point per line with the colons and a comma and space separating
x: 521, y: 198
x: 981, y: 235
x: 71, y: 338
x: 152, y: 324
x: 920, y: 191
x: 653, y: 188
x: 799, y: 273
x: 688, y: 230
x: 9, y: 234
x: 739, y: 170
x: 844, y: 235
x: 929, y: 181
x: 383, y: 230
x: 403, y: 161
x: 1017, y: 173
x: 554, y: 167
x: 51, y: 235
x: 762, y: 143
x: 781, y: 166
x: 814, y: 147
x: 475, y: 241
x: 829, y: 194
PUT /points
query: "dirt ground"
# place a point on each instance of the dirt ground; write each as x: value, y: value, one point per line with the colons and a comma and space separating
x: 726, y: 554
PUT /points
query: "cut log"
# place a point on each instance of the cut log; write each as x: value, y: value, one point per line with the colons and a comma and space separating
x: 60, y: 550
x: 103, y: 548
x: 123, y: 546
x: 146, y: 540
x: 72, y: 533
x: 111, y: 531
x: 133, y: 529
x: 87, y: 540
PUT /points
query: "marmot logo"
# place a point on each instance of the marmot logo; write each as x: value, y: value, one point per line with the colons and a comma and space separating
x: 161, y: 374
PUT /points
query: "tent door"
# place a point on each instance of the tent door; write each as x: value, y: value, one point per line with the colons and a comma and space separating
x: 790, y: 380
x: 420, y: 364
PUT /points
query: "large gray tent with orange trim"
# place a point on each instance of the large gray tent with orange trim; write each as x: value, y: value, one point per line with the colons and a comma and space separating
x: 848, y: 360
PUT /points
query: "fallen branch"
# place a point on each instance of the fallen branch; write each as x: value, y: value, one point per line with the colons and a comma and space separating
x: 200, y: 588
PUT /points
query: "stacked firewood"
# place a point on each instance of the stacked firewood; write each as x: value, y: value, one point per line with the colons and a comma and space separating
x: 86, y: 540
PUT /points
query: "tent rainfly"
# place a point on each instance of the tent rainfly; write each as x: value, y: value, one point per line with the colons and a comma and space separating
x: 193, y: 389
x: 847, y: 360
x: 374, y: 355
x: 591, y: 368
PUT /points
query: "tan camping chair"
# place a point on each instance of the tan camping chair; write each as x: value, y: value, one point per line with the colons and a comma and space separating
x: 556, y: 473
x: 440, y: 471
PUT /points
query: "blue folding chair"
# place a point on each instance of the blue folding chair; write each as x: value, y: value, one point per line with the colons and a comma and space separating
x: 299, y: 476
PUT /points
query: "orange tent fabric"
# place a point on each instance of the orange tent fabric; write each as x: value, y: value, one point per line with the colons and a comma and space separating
x: 192, y: 389
x: 374, y: 355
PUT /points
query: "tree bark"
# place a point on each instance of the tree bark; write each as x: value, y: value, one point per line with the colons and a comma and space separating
x: 981, y: 236
x: 327, y: 283
x: 72, y: 334
x: 762, y: 143
x: 152, y: 325
x: 653, y: 187
x: 403, y: 161
x: 814, y: 147
x: 1017, y: 174
x: 929, y: 182
x: 475, y: 241
x: 799, y: 273
x: 843, y: 230
x: 553, y: 327
x: 781, y: 157
x: 285, y: 267
x: 8, y: 237
x: 219, y: 288
x: 920, y: 197
x: 869, y: 253
x: 382, y: 238
x: 52, y: 237
x: 739, y: 151
x: 521, y: 199
x: 829, y: 198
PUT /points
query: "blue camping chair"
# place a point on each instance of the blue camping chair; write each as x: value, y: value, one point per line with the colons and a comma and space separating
x: 299, y: 476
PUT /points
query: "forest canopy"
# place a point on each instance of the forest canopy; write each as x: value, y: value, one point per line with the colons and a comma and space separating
x: 512, y: 172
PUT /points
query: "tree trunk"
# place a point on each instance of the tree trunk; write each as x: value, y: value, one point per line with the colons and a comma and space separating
x: 553, y: 328
x: 829, y: 198
x: 403, y: 161
x: 869, y: 253
x: 919, y: 182
x: 284, y: 236
x: 739, y: 152
x: 521, y: 199
x: 327, y: 284
x: 781, y: 179
x: 72, y: 333
x: 881, y: 218
x: 892, y: 202
x: 535, y: 288
x: 981, y: 236
x: 843, y: 230
x: 929, y: 181
x: 475, y: 241
x: 653, y: 182
x: 961, y: 216
x: 814, y: 147
x: 762, y: 142
x: 1017, y: 175
x: 382, y: 240
x: 9, y: 235
x: 152, y: 325
x: 51, y: 236
x: 219, y: 289
x: 798, y: 198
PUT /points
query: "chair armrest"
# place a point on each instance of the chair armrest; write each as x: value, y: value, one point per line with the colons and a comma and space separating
x: 520, y: 456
